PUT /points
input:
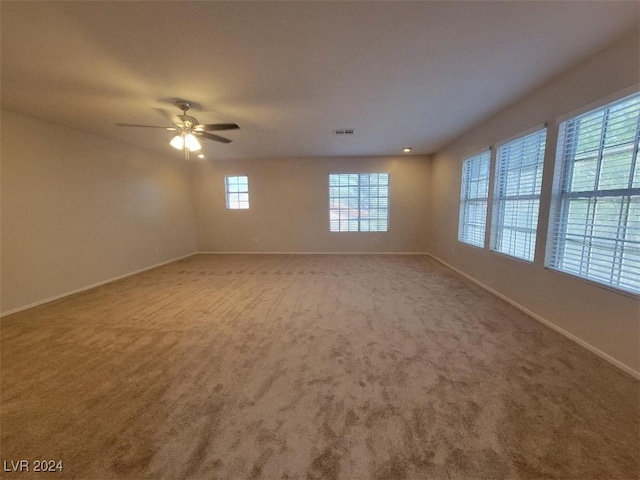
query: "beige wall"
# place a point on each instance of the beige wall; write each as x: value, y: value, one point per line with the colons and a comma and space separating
x: 604, y: 319
x: 79, y: 209
x: 289, y: 206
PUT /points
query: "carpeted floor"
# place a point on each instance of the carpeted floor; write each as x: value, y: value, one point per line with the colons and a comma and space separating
x: 307, y: 367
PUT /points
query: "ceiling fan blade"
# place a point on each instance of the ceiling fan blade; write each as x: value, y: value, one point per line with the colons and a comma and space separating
x: 212, y: 127
x: 211, y: 136
x: 144, y: 126
x: 166, y: 115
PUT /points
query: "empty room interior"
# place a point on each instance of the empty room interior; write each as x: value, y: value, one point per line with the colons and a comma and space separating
x: 320, y: 240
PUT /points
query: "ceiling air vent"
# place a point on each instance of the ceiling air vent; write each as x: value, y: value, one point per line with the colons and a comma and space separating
x: 343, y: 131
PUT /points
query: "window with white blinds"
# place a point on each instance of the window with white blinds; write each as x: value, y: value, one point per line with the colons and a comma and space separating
x: 516, y: 199
x: 358, y: 202
x: 474, y: 193
x: 237, y: 192
x: 595, y: 225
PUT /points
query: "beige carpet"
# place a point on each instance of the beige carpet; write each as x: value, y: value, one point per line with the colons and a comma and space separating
x: 307, y: 367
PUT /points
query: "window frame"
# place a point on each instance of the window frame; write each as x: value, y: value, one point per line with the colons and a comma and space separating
x: 465, y: 200
x: 360, y: 219
x: 501, y: 198
x: 564, y: 192
x: 237, y: 204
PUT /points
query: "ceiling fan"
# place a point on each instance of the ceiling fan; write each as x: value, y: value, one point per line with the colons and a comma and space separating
x: 188, y: 129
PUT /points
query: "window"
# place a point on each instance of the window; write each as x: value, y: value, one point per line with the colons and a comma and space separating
x: 358, y: 202
x: 237, y: 190
x: 473, y: 199
x: 516, y: 199
x: 595, y: 224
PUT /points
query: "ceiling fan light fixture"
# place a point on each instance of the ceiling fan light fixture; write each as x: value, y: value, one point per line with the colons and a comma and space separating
x: 191, y: 142
x: 177, y: 142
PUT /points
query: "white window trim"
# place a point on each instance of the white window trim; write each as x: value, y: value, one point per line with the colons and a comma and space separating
x: 226, y: 192
x: 493, y: 234
x: 556, y: 196
x: 388, y: 197
x: 461, y: 201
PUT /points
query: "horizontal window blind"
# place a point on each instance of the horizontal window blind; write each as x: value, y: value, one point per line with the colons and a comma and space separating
x: 237, y: 192
x: 358, y: 202
x: 474, y: 193
x: 595, y: 228
x: 516, y: 201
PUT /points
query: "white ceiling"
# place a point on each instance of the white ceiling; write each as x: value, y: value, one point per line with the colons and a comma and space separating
x: 399, y: 73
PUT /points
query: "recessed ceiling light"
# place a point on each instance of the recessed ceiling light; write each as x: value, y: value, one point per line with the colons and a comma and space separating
x: 201, y: 156
x: 406, y: 149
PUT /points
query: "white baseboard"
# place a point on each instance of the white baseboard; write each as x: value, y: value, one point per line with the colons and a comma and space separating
x: 548, y: 323
x: 88, y: 287
x: 311, y: 253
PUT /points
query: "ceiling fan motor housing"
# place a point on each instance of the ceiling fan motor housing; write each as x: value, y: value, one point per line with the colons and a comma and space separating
x: 187, y: 121
x: 183, y: 105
